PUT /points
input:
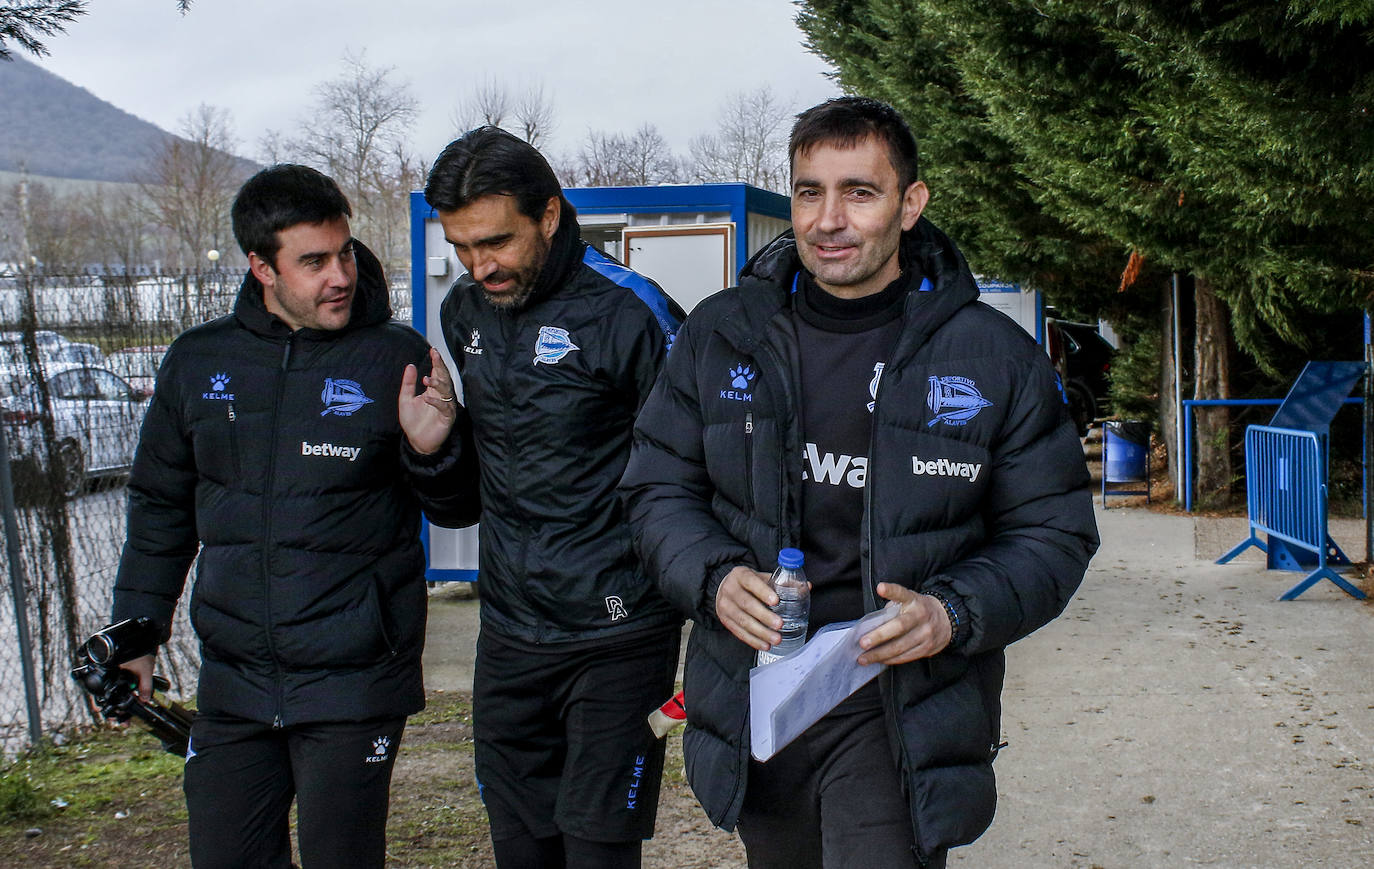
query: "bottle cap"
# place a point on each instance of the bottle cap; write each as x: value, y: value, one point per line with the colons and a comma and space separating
x: 791, y: 558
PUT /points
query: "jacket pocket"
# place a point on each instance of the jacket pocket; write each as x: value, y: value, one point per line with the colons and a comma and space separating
x: 388, y: 635
x: 344, y: 630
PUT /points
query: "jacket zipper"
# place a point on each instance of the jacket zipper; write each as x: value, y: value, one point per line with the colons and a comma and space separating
x: 784, y: 536
x: 234, y: 443
x: 277, y: 721
x: 510, y: 332
x: 871, y: 604
x: 749, y: 461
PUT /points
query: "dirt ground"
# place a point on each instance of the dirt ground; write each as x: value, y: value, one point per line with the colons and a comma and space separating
x: 124, y: 806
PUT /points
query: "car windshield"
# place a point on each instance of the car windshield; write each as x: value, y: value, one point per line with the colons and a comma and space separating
x: 86, y: 354
x: 142, y: 362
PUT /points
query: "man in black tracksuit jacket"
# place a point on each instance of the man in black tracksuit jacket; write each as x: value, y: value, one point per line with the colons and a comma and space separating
x: 955, y: 490
x: 557, y: 346
x: 276, y: 446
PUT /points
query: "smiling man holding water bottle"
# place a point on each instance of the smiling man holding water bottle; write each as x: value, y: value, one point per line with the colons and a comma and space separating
x: 852, y: 398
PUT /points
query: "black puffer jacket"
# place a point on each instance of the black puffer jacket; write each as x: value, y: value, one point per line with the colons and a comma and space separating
x: 976, y: 487
x: 281, y: 455
x: 553, y: 389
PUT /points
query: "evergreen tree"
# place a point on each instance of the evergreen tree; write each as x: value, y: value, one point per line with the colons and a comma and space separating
x: 1230, y: 141
x: 982, y: 192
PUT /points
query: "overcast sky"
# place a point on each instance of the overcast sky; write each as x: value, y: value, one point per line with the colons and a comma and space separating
x: 610, y: 65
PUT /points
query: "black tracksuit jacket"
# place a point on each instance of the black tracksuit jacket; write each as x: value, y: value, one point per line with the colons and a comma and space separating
x: 976, y: 487
x: 280, y: 457
x: 553, y: 389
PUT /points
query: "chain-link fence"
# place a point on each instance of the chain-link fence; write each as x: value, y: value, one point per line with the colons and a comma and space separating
x: 78, y: 358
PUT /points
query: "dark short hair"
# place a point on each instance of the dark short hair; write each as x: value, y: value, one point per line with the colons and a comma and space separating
x: 279, y: 197
x: 846, y: 121
x: 489, y: 161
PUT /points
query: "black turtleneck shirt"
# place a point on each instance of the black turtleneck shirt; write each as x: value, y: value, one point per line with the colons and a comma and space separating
x: 843, y: 344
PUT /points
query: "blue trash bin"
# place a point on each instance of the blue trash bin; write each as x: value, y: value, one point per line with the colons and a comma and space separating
x: 1124, y: 445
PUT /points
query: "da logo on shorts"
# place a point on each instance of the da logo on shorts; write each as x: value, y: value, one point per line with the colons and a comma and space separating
x: 615, y: 608
x: 954, y: 400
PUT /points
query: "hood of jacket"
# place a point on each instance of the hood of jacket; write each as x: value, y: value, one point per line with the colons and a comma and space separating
x: 371, y: 302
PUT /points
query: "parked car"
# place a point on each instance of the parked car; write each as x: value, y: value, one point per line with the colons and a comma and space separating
x: 1085, y: 368
x: 138, y: 365
x: 83, y: 354
x: 12, y: 346
x: 96, y: 416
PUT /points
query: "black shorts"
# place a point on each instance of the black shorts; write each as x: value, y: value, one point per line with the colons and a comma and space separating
x: 563, y: 744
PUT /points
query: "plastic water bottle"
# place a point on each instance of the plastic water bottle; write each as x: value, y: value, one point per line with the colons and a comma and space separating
x: 794, y: 605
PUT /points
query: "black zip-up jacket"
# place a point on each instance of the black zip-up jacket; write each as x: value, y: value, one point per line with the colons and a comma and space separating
x: 280, y: 456
x: 976, y: 488
x: 553, y: 389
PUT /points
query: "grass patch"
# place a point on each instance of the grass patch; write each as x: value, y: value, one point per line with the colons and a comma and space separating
x: 19, y: 800
x: 444, y: 707
x: 107, y: 798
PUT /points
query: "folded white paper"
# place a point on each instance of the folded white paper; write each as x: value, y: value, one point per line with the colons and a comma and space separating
x: 788, y: 696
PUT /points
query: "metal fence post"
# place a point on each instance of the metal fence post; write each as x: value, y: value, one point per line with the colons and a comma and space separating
x: 17, y: 590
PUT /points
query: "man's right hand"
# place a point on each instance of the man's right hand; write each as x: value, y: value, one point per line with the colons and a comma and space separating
x: 743, y: 605
x: 143, y: 669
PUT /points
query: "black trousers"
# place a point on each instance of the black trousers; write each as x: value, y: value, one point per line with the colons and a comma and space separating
x: 241, y: 777
x: 832, y: 798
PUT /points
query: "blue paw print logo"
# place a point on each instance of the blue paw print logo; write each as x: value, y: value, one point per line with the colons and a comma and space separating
x: 218, y: 382
x: 741, y: 376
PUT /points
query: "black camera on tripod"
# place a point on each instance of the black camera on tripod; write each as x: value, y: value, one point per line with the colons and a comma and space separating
x: 116, y: 691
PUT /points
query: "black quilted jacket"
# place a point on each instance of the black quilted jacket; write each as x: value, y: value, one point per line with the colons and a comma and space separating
x: 976, y: 487
x: 280, y: 457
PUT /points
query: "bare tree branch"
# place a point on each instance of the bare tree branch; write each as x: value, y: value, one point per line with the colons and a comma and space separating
x: 529, y: 116
x: 616, y: 160
x: 357, y: 135
x: 534, y: 115
x: 749, y: 144
x: 191, y: 182
x: 488, y: 103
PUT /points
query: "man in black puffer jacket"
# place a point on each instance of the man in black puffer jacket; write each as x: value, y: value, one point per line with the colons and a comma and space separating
x: 852, y: 397
x: 557, y: 346
x: 288, y: 443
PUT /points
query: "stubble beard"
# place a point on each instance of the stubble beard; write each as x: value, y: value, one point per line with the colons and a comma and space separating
x: 526, y: 279
x: 872, y: 261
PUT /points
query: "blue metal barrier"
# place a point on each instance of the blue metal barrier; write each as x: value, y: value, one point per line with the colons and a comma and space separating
x: 1285, y: 472
x: 1189, y: 425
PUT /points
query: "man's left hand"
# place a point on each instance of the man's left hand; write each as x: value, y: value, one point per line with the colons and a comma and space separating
x: 427, y: 417
x: 919, y: 630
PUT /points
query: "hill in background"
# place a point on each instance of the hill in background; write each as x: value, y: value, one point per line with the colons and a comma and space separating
x: 54, y: 128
